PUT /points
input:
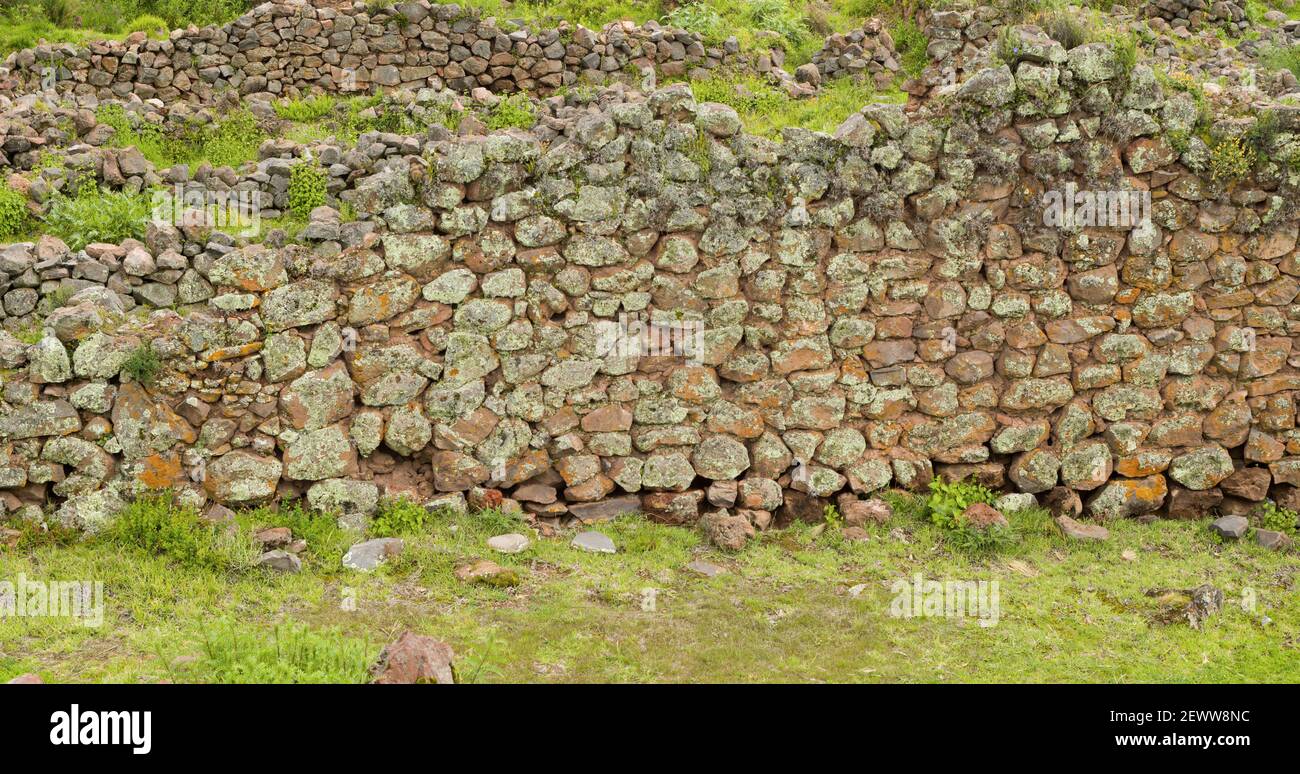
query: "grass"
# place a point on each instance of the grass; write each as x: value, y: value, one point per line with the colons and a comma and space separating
x: 232, y: 142
x: 765, y: 110
x: 782, y: 612
x: 25, y: 22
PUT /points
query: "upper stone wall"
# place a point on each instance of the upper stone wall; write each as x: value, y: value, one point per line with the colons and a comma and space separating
x: 284, y: 49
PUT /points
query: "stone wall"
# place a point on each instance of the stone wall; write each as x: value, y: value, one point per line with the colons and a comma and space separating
x: 876, y: 308
x: 284, y: 49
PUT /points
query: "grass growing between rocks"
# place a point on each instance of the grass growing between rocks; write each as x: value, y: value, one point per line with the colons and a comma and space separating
x: 783, y: 611
x: 765, y: 110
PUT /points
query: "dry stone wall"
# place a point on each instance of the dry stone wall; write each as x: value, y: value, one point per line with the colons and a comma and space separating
x: 284, y: 49
x: 1028, y: 284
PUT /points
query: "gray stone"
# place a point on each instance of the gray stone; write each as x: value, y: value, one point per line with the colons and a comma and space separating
x: 593, y: 542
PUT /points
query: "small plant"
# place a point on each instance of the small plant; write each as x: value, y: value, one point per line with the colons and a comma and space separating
x: 92, y: 215
x: 307, y: 188
x: 1007, y: 47
x: 146, y: 23
x: 234, y: 141
x: 14, y: 219
x: 990, y: 539
x: 397, y: 517
x: 306, y: 109
x: 911, y: 43
x: 158, y: 526
x: 1065, y: 28
x: 1270, y: 515
x: 698, y: 18
x: 515, y: 111
x: 1231, y: 159
x: 1283, y: 58
x: 832, y: 516
x: 1125, y: 47
x: 143, y: 365
x: 947, y: 501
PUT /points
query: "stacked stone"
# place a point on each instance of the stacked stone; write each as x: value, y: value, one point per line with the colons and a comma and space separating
x: 865, y: 54
x: 284, y: 49
x: 959, y: 45
x: 1196, y: 13
x: 877, y: 308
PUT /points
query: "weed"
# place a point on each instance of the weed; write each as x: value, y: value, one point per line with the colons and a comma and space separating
x: 156, y: 525
x: 143, y: 365
x: 92, y: 215
x: 911, y: 43
x: 1270, y: 515
x: 291, y: 653
x: 398, y: 517
x: 1231, y: 159
x: 14, y: 219
x: 307, y: 188
x: 306, y: 109
x: 514, y: 111
x: 948, y: 501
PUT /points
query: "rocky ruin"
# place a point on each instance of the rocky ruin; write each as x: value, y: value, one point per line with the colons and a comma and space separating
x: 1038, y: 278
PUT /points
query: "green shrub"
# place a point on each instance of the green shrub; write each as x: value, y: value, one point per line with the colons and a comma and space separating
x: 155, y: 525
x: 146, y: 23
x: 513, y: 112
x: 143, y: 365
x: 14, y: 219
x: 779, y: 17
x: 307, y: 188
x: 1269, y: 515
x: 947, y: 501
x: 159, y: 148
x: 397, y: 517
x: 1231, y: 159
x: 92, y: 215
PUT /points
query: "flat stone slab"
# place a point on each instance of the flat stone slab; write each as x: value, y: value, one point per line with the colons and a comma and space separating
x: 1230, y: 527
x: 1081, y: 531
x: 280, y: 561
x: 1272, y: 539
x: 593, y: 542
x: 707, y: 569
x: 366, y: 556
x: 511, y: 543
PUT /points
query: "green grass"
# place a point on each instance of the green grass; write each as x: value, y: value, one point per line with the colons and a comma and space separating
x: 782, y: 612
x: 766, y: 110
x: 232, y: 142
x: 23, y: 23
